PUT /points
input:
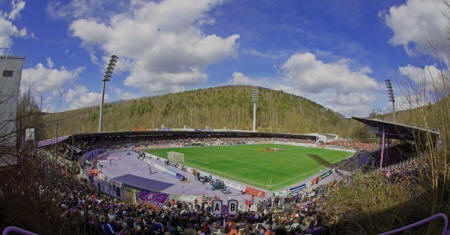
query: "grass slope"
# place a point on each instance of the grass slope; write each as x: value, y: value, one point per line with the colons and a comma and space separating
x: 218, y: 107
x: 245, y: 163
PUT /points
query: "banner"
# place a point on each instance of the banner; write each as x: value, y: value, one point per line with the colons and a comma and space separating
x: 129, y: 195
x: 232, y: 207
x: 217, y: 207
x: 233, y: 185
x: 29, y: 134
x: 297, y: 188
x: 107, y: 187
x: 255, y: 192
x: 153, y: 199
x: 326, y: 174
x: 316, y: 180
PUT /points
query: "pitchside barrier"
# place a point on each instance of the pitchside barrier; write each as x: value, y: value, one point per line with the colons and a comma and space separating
x: 175, y: 156
x: 16, y: 230
x: 445, y: 230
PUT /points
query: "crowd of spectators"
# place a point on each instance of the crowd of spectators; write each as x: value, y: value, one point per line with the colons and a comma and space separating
x: 395, y: 154
x: 352, y: 144
x: 407, y: 170
x: 85, y: 210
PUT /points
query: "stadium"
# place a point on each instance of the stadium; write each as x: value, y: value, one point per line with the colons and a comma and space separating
x: 210, y: 163
x: 181, y: 117
x: 219, y: 181
x: 251, y: 170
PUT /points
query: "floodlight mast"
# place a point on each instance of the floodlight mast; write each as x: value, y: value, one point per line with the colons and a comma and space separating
x: 391, y: 96
x: 255, y: 94
x: 107, y: 77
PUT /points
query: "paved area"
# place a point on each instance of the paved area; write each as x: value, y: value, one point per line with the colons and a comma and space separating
x: 124, y: 162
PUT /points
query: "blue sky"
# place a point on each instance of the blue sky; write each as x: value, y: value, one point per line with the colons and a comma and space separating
x: 336, y: 53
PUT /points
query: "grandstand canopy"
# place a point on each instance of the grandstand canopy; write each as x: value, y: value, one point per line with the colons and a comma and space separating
x: 181, y: 134
x: 394, y: 130
x: 142, y: 183
x: 48, y: 142
x: 169, y: 134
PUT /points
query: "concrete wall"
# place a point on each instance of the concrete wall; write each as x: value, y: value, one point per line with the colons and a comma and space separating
x: 11, y: 73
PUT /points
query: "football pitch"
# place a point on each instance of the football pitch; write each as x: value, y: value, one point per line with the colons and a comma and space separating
x: 254, y: 165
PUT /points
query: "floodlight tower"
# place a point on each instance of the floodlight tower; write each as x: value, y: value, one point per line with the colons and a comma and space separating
x: 391, y: 96
x: 107, y: 77
x: 255, y: 93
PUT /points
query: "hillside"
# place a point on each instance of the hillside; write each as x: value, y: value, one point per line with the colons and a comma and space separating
x: 219, y: 107
x: 429, y: 116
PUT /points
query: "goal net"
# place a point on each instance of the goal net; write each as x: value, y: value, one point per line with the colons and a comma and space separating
x: 174, y: 156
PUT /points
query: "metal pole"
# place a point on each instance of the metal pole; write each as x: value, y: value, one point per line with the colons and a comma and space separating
x: 387, y: 148
x: 254, y: 116
x: 100, y: 121
x: 382, y: 148
x: 393, y: 110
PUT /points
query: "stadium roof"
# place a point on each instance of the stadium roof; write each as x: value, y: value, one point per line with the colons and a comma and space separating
x: 191, y: 134
x: 44, y: 143
x: 142, y: 183
x: 173, y: 134
x: 396, y: 130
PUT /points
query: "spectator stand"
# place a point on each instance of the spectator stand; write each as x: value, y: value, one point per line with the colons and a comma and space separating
x: 391, y: 130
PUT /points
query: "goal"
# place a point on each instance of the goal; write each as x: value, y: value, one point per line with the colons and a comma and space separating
x: 175, y: 156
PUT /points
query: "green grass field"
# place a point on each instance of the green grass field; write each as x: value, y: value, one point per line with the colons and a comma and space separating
x: 267, y: 170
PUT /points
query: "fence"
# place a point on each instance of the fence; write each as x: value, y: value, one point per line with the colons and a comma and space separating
x: 16, y: 230
x: 445, y: 231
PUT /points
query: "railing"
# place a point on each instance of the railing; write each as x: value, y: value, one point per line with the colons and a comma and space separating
x: 14, y: 229
x: 445, y: 231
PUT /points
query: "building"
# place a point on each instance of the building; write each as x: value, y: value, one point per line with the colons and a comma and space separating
x: 11, y: 73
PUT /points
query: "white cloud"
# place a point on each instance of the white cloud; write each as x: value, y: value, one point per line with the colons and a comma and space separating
x: 123, y: 64
x: 353, y: 103
x: 17, y: 7
x: 50, y: 63
x: 81, y: 8
x: 428, y: 78
x: 47, y: 105
x: 405, y: 102
x: 79, y: 97
x: 349, y: 104
x: 333, y: 85
x: 45, y: 79
x: 417, y: 23
x: 239, y: 78
x: 266, y: 54
x: 313, y: 76
x: 7, y: 27
x: 162, y: 41
x: 124, y: 95
x: 366, y: 70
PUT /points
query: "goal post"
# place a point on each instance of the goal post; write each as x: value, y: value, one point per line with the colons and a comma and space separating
x: 175, y: 156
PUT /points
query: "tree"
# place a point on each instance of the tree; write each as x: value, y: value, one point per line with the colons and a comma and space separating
x: 30, y: 115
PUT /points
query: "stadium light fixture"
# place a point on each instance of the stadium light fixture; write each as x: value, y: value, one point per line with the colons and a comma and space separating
x: 391, y: 96
x: 255, y: 96
x: 107, y: 77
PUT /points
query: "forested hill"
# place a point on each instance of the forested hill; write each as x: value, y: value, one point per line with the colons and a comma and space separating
x: 227, y: 107
x: 432, y: 115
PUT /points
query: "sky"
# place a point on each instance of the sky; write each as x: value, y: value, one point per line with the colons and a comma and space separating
x: 335, y: 53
